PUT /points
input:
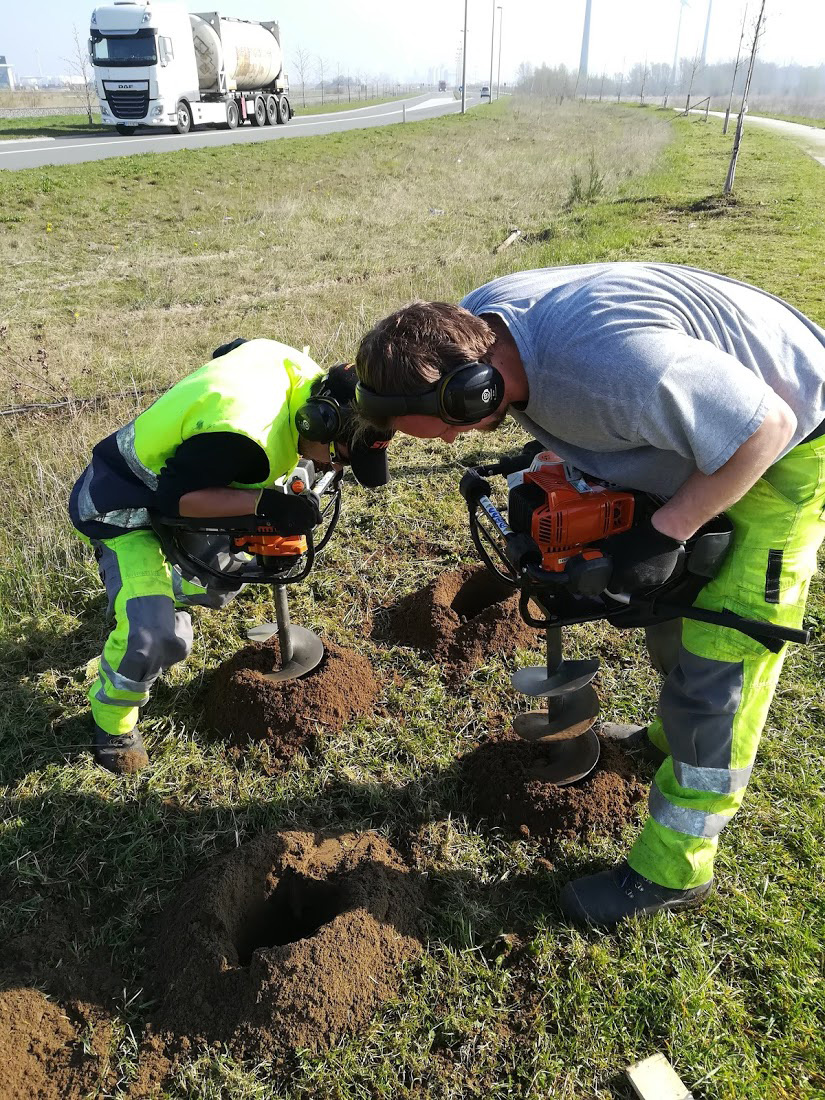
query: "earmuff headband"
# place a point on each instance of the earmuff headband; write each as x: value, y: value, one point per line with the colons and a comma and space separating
x: 465, y: 395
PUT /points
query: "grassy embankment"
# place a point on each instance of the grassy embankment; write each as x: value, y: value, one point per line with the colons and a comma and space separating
x: 75, y: 125
x: 123, y: 275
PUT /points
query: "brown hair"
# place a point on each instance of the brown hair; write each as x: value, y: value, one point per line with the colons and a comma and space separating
x: 410, y: 349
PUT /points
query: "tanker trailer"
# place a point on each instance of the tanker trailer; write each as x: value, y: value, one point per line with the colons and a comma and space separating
x: 156, y: 65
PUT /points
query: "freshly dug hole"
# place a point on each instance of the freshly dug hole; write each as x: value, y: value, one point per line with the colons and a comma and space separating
x: 463, y: 617
x: 287, y: 942
x: 243, y: 706
x: 502, y: 777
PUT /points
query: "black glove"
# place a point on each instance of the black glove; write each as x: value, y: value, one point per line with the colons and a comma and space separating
x: 642, y: 558
x: 290, y: 514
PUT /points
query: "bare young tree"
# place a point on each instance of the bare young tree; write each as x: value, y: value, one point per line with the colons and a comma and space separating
x: 644, y: 75
x: 80, y: 65
x: 321, y: 67
x: 735, y: 70
x: 695, y: 66
x: 301, y: 59
x: 758, y: 31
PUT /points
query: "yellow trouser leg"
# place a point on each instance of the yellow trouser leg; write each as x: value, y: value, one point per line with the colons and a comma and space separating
x: 715, y: 702
x: 149, y: 633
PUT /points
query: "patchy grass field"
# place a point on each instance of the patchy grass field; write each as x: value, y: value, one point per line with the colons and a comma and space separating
x: 123, y: 275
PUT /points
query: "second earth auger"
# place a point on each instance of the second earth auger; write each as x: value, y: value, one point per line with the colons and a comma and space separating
x: 548, y: 548
x: 231, y: 552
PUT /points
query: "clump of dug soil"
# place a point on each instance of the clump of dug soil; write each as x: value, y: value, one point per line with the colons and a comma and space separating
x: 463, y: 617
x: 243, y: 706
x: 502, y: 777
x: 49, y: 1051
x: 287, y: 942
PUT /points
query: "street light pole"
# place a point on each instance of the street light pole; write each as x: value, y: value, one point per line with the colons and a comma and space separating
x: 492, y: 48
x: 464, y: 64
x: 498, y: 81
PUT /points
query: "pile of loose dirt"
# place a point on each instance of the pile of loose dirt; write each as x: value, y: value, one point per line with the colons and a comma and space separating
x: 501, y: 776
x: 49, y: 1052
x: 287, y: 942
x: 243, y: 706
x: 463, y: 617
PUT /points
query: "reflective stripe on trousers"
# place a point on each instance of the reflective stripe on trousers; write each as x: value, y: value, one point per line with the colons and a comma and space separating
x: 151, y: 632
x: 715, y: 700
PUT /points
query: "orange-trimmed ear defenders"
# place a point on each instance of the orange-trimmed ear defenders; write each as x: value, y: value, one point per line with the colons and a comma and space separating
x: 464, y: 395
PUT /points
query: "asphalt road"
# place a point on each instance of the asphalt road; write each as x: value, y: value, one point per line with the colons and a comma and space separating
x: 35, y: 153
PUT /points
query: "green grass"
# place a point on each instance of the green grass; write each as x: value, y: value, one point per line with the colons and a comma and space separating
x: 803, y: 120
x: 344, y: 105
x: 124, y: 275
x: 51, y: 126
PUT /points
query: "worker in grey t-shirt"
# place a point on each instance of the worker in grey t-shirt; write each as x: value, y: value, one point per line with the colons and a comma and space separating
x: 702, y: 390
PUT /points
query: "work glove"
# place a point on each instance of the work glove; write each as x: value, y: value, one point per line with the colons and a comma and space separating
x: 289, y: 513
x: 642, y: 558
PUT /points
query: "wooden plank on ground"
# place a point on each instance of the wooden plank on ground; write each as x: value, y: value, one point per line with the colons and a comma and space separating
x: 656, y: 1079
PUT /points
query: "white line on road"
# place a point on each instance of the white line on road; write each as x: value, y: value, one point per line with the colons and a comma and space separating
x: 211, y: 133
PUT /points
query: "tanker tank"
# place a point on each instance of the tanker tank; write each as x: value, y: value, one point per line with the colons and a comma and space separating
x: 247, y: 53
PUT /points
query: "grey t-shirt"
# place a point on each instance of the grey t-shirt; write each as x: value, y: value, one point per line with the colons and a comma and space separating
x: 642, y: 373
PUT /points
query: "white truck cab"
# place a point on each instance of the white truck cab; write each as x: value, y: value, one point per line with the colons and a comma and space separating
x: 144, y: 64
x: 156, y: 65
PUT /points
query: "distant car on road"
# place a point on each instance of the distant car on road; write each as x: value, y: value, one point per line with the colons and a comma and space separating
x: 485, y: 92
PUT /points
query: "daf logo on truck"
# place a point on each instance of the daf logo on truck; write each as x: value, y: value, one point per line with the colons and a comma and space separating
x: 159, y: 66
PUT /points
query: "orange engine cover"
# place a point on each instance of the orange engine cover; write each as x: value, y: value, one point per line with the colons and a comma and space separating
x: 273, y: 546
x: 569, y: 520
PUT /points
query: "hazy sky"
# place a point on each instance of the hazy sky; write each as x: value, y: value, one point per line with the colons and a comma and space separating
x: 408, y: 39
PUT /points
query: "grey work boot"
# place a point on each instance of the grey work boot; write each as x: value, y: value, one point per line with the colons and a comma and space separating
x: 120, y: 753
x: 620, y: 892
x: 628, y: 736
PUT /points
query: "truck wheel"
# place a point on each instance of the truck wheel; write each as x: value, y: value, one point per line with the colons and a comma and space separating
x: 184, y: 118
x: 271, y: 110
x: 232, y: 115
x: 258, y: 116
x: 283, y: 110
x: 126, y: 130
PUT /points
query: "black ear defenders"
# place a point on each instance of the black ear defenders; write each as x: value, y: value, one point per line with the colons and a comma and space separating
x: 464, y: 395
x: 320, y: 419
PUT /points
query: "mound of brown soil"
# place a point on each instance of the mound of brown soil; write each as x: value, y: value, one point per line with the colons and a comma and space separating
x: 244, y: 706
x: 463, y: 617
x: 502, y: 778
x: 48, y: 1052
x: 286, y: 942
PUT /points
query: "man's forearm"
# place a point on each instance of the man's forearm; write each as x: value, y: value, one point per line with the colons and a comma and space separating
x: 214, y: 503
x: 704, y: 496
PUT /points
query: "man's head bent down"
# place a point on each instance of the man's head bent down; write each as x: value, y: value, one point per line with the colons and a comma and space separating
x: 409, y: 352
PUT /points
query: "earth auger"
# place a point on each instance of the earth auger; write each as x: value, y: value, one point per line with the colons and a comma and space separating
x: 549, y: 549
x: 234, y: 551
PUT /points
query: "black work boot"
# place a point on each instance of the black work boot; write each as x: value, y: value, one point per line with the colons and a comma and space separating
x: 619, y: 893
x: 629, y: 736
x: 122, y: 753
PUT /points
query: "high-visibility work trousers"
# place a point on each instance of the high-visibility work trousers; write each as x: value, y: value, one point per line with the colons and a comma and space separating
x: 147, y: 596
x: 715, y: 700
